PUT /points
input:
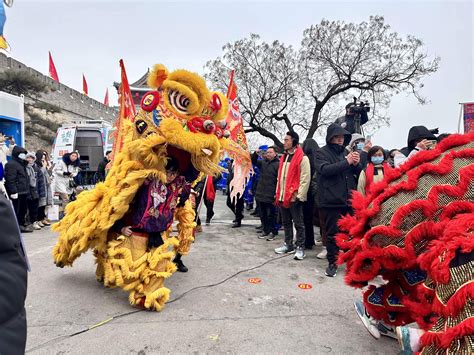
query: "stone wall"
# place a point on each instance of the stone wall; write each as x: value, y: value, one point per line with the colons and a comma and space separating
x: 74, y: 104
x: 40, y: 125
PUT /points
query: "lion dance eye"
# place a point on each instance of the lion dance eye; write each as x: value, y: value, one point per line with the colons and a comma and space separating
x: 179, y: 101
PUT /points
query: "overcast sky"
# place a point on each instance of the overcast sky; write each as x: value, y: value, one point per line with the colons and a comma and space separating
x: 91, y: 36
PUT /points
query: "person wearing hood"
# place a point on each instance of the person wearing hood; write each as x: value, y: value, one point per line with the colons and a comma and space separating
x: 419, y: 138
x: 17, y: 185
x: 291, y: 192
x: 337, y: 177
x: 65, y: 171
x: 47, y: 200
x: 360, y: 145
x: 37, y: 190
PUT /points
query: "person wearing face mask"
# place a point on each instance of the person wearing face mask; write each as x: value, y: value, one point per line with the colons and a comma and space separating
x: 360, y: 145
x: 374, y: 171
x: 337, y: 173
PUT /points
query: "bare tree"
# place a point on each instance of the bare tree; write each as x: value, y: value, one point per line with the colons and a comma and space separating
x: 339, y: 60
x: 266, y: 78
x: 280, y: 90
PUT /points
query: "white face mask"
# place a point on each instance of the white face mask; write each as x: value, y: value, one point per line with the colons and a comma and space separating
x: 22, y: 156
x: 377, y: 160
x: 360, y: 146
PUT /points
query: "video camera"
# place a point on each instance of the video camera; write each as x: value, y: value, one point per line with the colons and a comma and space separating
x: 358, y: 107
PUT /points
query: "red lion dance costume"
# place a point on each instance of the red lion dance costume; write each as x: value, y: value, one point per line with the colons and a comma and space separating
x: 416, y: 230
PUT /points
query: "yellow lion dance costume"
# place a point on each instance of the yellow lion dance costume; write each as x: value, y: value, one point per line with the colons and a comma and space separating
x: 180, y: 119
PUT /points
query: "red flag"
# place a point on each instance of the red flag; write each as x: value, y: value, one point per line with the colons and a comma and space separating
x: 106, y: 100
x: 52, y: 69
x: 126, y: 112
x: 85, y: 91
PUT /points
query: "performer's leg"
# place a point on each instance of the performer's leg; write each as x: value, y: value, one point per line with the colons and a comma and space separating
x: 179, y: 263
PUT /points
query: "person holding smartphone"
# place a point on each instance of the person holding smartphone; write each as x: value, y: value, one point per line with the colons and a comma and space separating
x: 419, y: 138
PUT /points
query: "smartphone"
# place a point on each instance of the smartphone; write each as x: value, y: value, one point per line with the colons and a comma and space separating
x: 431, y: 144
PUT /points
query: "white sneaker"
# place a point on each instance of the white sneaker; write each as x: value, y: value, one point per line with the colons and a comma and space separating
x: 318, y: 242
x: 323, y: 254
x: 369, y: 323
x: 285, y: 249
x: 299, y: 255
x: 36, y: 226
x: 40, y: 224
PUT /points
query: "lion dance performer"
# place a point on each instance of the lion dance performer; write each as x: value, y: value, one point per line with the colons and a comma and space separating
x: 416, y: 230
x: 177, y: 134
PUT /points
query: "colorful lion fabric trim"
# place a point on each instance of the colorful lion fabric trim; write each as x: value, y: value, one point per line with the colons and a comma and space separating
x: 410, y: 230
x: 180, y: 118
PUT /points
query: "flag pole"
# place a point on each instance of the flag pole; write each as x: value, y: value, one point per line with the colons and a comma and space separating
x: 461, y: 109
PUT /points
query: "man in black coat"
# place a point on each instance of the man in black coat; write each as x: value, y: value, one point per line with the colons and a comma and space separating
x: 101, y: 173
x: 17, y: 185
x: 265, y: 194
x: 337, y: 177
x: 13, y: 284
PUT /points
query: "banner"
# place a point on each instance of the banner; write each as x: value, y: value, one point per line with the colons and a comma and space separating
x: 235, y: 123
x: 238, y: 148
x: 468, y: 113
x: 126, y: 111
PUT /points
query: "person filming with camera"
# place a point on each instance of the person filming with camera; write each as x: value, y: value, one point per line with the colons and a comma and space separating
x: 356, y: 116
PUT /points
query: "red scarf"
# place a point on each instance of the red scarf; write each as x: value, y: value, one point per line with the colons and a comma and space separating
x: 210, y: 191
x: 292, y: 179
x: 369, y: 175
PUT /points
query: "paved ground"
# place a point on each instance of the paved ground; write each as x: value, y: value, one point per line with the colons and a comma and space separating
x: 273, y: 316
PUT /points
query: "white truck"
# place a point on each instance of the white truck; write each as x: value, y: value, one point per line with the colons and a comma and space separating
x: 91, y: 139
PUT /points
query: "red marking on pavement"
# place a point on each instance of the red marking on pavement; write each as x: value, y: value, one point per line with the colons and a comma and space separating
x: 254, y: 280
x: 305, y: 286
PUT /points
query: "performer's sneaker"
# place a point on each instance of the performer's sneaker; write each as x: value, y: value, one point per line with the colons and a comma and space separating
x: 331, y: 270
x: 369, y: 323
x: 387, y: 330
x: 285, y: 249
x: 263, y: 235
